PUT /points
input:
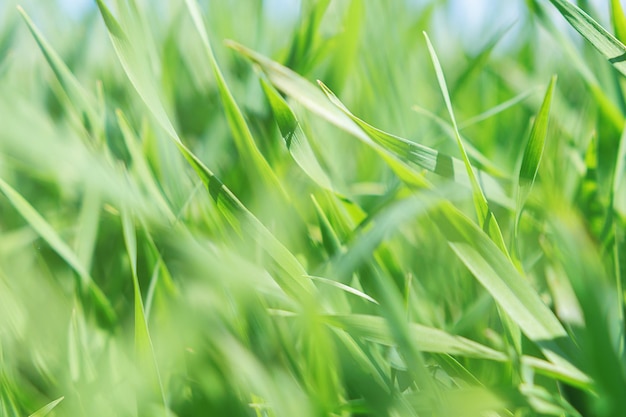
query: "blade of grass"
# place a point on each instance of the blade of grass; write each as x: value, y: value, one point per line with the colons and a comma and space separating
x: 497, y: 109
x: 532, y: 153
x: 47, y: 233
x: 8, y: 404
x: 477, y: 63
x: 599, y: 37
x: 475, y: 154
x: 330, y: 240
x: 344, y: 287
x: 144, y: 349
x: 422, y: 156
x: 427, y: 339
x: 611, y: 112
x: 80, y: 359
x: 83, y: 104
x: 252, y: 157
x: 512, y: 291
x: 618, y: 19
x: 619, y: 176
x: 486, y: 218
x: 46, y: 409
x: 295, y: 139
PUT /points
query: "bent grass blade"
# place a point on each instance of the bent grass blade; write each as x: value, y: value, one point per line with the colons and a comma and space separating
x: 304, y: 92
x: 598, y: 36
x: 46, y: 409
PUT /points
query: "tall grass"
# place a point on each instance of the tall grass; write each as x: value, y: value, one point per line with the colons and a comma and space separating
x: 361, y: 210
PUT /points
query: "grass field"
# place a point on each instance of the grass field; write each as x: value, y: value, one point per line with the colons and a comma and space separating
x: 347, y: 208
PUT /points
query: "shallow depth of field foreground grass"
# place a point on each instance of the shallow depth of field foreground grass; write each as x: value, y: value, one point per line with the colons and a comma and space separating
x: 325, y: 208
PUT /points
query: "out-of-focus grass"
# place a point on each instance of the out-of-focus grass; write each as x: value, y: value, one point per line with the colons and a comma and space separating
x: 205, y: 211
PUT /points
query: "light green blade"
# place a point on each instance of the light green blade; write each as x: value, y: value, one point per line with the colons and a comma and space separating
x: 618, y: 19
x: 144, y: 349
x: 427, y: 339
x: 486, y: 218
x: 599, y: 37
x: 511, y: 290
x: 46, y: 409
x: 295, y: 139
x: 533, y: 152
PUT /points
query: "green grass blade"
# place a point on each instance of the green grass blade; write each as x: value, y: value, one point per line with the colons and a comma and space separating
x: 47, y: 233
x: 510, y: 289
x: 424, y: 157
x: 137, y: 69
x: 477, y: 63
x: 496, y: 110
x: 486, y: 219
x: 611, y: 113
x: 8, y: 404
x: 343, y: 287
x: 427, y: 339
x: 330, y: 240
x: 144, y: 350
x: 565, y: 374
x: 251, y: 156
x: 618, y: 19
x: 480, y: 202
x: 364, y: 245
x: 618, y: 196
x: 46, y: 409
x: 533, y: 151
x: 84, y: 105
x: 485, y: 164
x: 599, y: 37
x: 295, y: 139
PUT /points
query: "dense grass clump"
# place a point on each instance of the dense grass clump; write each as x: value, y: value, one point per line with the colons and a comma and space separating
x: 336, y: 208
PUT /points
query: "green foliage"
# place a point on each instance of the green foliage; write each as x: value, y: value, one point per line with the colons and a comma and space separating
x: 293, y: 223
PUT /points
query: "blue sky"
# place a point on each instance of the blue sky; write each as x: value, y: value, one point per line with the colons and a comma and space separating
x: 473, y: 15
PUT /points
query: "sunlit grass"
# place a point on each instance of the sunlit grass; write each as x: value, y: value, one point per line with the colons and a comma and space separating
x: 204, y: 213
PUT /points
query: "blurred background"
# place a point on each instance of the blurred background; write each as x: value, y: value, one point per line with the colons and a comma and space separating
x: 221, y: 327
